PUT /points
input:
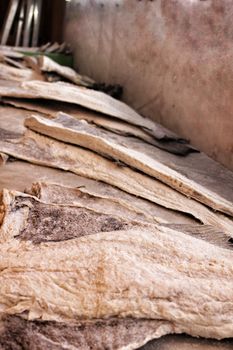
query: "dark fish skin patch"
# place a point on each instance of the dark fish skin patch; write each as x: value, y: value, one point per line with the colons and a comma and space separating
x: 17, y: 333
x: 54, y: 223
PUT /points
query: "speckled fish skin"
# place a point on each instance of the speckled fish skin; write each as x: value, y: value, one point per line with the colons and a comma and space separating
x: 112, y: 334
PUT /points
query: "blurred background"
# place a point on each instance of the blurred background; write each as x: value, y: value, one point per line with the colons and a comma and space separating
x: 50, y: 24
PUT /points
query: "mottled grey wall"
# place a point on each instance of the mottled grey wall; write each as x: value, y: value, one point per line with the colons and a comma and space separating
x: 173, y: 57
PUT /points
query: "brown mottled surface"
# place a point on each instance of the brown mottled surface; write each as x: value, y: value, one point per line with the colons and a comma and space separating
x: 19, y: 334
x: 173, y: 58
x: 45, y: 222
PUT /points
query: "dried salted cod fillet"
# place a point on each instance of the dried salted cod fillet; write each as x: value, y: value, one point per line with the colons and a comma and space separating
x: 112, y: 334
x: 16, y: 74
x: 95, y: 100
x: 51, y: 108
x: 79, y: 197
x: 147, y: 273
x: 43, y: 150
x: 9, y: 135
x: 68, y: 129
x: 68, y: 196
x: 27, y: 218
x: 46, y: 64
x: 12, y: 119
x: 18, y: 174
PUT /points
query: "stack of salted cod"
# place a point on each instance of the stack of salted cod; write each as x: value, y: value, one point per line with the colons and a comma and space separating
x: 14, y: 66
x: 125, y: 234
